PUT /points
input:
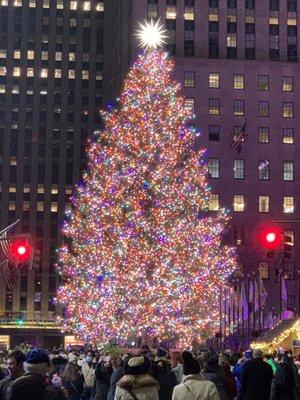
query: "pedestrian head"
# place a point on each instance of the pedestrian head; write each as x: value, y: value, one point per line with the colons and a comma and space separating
x: 37, y: 362
x: 69, y: 373
x: 257, y: 353
x: 248, y: 355
x: 15, y: 362
x: 190, y: 365
x: 176, y: 358
x: 139, y: 365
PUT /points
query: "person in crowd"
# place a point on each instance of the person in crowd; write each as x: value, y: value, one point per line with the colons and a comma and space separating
x: 162, y: 372
x: 229, y: 379
x: 137, y: 384
x: 270, y: 360
x: 72, y: 381
x: 193, y: 386
x: 103, y: 374
x: 177, y: 366
x: 58, y: 362
x: 88, y: 365
x: 283, y: 384
x: 118, y: 372
x: 212, y: 372
x: 146, y: 351
x: 15, y: 362
x: 256, y: 378
x: 238, y: 368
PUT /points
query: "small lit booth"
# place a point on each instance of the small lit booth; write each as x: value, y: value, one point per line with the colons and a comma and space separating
x: 72, y: 341
x: 285, y: 335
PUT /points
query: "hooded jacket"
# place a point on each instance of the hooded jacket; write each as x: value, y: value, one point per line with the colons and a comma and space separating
x: 144, y: 387
x: 193, y: 387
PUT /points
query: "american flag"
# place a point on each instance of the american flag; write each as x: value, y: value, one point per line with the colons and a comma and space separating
x: 9, y: 273
x: 238, y: 139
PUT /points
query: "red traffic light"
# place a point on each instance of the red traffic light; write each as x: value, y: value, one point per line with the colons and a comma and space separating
x: 20, y: 250
x: 270, y: 238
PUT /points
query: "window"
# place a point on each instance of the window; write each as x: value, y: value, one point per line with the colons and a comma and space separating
x: 40, y: 206
x: 71, y: 74
x: 264, y: 169
x: 189, y: 104
x: 288, y: 110
x: 152, y: 10
x: 238, y: 107
x: 238, y: 169
x: 3, y: 53
x: 231, y: 40
x: 100, y: 6
x: 54, y: 207
x: 30, y: 72
x: 250, y: 4
x: 60, y: 4
x: 214, y: 106
x: 214, y: 204
x: 263, y: 204
x: 2, y: 71
x: 263, y: 108
x: 289, y: 268
x: 238, y: 82
x: 263, y: 134
x: 17, y: 71
x: 214, y: 80
x: 86, y: 5
x: 239, y: 203
x: 58, y: 56
x: 288, y: 171
x: 17, y: 54
x: 57, y: 73
x: 214, y: 133
x: 291, y: 301
x: 44, y: 73
x: 288, y: 136
x: 263, y: 82
x: 73, y: 5
x: 44, y: 55
x: 287, y: 84
x: 30, y: 54
x: 214, y: 168
x: 189, y: 79
x: 289, y: 235
x: 288, y: 205
x: 264, y: 270
x: 171, y: 12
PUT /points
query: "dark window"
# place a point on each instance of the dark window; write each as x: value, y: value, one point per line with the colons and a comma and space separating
x: 214, y: 133
x: 214, y: 3
x: 292, y: 5
x: 231, y: 3
x: 274, y: 5
x: 250, y: 4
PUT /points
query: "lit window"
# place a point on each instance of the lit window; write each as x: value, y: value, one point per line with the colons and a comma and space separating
x: 54, y: 207
x: 54, y: 189
x: 152, y: 11
x: 263, y: 82
x: 238, y: 107
x: 72, y: 57
x: 85, y: 74
x: 30, y: 72
x: 86, y: 5
x: 30, y: 54
x: 238, y: 83
x: 100, y: 6
x: 287, y: 84
x: 71, y: 74
x: 273, y: 21
x: 288, y: 110
x: 60, y: 4
x: 45, y: 38
x: 264, y: 204
x: 12, y: 205
x: 17, y: 54
x: 12, y: 189
x: 4, y: 3
x: 289, y: 236
x: 58, y: 56
x: 3, y: 53
x: 238, y: 169
x: 73, y: 22
x: 189, y: 13
x: 2, y: 88
x: 40, y: 206
x: 231, y: 40
x: 16, y: 71
x: 291, y: 22
x: 99, y: 76
x: 263, y: 108
x: 46, y: 3
x: 214, y: 106
x: 44, y: 55
x: 18, y: 3
x: 26, y: 205
x: 213, y: 17
x: 189, y: 104
x: 73, y: 5
x: 57, y: 73
x: 44, y: 73
x: 288, y: 205
x: 263, y: 134
x: 15, y: 89
x: 264, y: 169
x: 239, y: 203
x: 171, y: 12
x: 264, y: 270
x: 214, y: 168
x: 288, y: 170
x: 32, y: 3
x: 189, y: 79
x: 26, y: 188
x: 288, y: 136
x: 214, y: 81
x: 40, y: 188
x: 214, y: 203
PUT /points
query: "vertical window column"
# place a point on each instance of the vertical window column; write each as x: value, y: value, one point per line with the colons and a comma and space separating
x: 189, y: 28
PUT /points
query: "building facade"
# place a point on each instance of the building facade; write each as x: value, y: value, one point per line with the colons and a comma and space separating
x: 51, y: 71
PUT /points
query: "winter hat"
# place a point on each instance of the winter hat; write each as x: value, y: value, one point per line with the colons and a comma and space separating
x: 139, y: 365
x: 190, y: 365
x: 37, y: 362
x: 248, y: 355
x: 161, y: 352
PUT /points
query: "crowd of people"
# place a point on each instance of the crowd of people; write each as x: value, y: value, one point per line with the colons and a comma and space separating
x: 148, y: 375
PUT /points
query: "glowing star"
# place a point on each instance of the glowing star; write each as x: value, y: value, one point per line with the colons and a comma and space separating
x: 151, y: 35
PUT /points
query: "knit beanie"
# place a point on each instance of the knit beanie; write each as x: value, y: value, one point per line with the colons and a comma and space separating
x: 37, y: 362
x: 190, y: 365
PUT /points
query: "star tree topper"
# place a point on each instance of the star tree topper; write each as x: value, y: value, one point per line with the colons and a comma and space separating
x: 151, y: 35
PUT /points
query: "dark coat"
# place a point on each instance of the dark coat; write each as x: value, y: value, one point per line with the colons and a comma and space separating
x: 283, y: 384
x: 75, y: 388
x: 163, y: 373
x: 4, y: 384
x: 102, y: 375
x: 114, y: 379
x: 218, y: 379
x: 256, y: 380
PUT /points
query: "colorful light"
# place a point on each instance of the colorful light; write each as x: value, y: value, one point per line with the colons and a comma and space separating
x: 138, y: 260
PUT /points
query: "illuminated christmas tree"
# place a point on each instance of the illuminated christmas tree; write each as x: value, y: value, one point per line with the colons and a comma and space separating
x: 144, y: 255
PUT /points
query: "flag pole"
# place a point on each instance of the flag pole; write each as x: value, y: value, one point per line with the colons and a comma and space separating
x: 9, y: 227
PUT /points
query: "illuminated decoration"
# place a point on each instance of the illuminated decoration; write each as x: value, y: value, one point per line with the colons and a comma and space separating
x: 151, y: 35
x: 143, y: 256
x: 276, y: 342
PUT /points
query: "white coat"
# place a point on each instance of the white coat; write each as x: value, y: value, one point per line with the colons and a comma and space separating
x: 194, y: 387
x: 144, y: 387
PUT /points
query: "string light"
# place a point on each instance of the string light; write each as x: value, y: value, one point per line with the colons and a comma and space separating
x: 142, y: 255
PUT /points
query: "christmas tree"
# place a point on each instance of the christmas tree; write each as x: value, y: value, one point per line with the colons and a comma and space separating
x: 142, y: 253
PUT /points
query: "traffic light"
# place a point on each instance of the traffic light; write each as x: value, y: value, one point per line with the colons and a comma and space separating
x: 270, y: 239
x: 287, y: 247
x: 20, y: 250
